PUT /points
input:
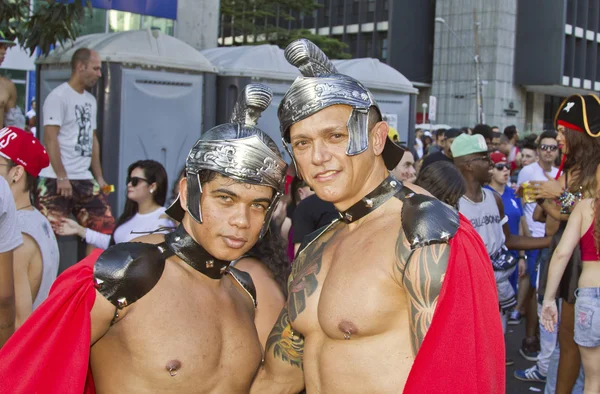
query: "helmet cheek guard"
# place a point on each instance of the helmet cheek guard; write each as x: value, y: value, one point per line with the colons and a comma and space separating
x: 237, y: 150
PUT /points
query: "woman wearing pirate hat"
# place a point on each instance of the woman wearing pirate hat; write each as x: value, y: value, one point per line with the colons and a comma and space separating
x: 578, y: 124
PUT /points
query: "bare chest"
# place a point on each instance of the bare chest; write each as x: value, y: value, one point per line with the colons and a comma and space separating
x: 183, y: 333
x: 345, y: 288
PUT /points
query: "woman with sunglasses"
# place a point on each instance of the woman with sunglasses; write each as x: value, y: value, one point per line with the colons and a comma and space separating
x: 144, y: 209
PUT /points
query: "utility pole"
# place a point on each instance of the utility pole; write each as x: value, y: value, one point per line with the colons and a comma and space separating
x: 480, y: 115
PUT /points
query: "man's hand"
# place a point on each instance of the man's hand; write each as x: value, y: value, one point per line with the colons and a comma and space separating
x: 64, y: 188
x: 102, y: 183
x: 522, y: 268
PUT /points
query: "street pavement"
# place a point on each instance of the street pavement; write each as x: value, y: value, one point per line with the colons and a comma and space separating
x: 514, y: 336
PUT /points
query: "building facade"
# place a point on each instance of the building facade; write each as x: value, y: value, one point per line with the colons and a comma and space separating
x: 370, y: 28
x: 531, y: 53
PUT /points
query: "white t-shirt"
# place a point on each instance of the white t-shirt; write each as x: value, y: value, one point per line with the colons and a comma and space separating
x: 133, y: 228
x: 10, y: 231
x: 534, y: 172
x: 76, y: 115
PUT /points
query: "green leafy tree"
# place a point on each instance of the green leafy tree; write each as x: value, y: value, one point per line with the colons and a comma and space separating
x: 262, y: 21
x: 52, y: 21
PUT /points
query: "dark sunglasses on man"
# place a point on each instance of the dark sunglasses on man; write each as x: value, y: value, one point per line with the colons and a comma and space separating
x: 548, y: 148
x: 502, y: 166
x: 135, y: 180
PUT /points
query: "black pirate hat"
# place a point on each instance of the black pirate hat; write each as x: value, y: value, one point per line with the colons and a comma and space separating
x: 580, y: 113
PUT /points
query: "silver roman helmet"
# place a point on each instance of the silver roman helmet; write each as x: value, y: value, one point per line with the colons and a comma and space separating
x: 322, y: 86
x: 238, y: 150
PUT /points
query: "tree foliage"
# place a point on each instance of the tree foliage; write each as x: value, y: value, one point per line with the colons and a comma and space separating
x: 52, y: 21
x: 255, y: 22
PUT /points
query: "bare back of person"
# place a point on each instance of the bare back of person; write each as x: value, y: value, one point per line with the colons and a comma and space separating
x: 189, y: 334
x: 8, y: 97
x: 354, y: 312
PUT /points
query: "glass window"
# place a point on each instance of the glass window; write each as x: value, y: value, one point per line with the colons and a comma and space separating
x: 384, y: 49
x: 166, y: 26
x: 94, y: 24
x: 123, y: 21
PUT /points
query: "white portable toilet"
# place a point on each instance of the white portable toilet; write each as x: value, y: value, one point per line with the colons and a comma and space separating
x: 238, y: 66
x: 394, y: 93
x: 155, y: 98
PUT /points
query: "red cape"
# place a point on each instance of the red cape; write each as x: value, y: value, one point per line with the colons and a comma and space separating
x: 50, y: 353
x: 463, y: 351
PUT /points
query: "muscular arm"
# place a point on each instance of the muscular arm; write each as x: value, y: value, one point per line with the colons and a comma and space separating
x: 96, y: 165
x: 421, y: 273
x: 23, y: 256
x: 53, y: 149
x: 519, y: 242
x: 101, y: 315
x: 7, y: 297
x: 281, y: 371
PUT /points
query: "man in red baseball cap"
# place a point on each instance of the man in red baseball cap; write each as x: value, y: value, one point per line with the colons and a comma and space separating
x: 22, y: 157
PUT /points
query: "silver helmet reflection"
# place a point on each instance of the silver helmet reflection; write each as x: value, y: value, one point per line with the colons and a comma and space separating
x: 322, y: 86
x: 238, y: 150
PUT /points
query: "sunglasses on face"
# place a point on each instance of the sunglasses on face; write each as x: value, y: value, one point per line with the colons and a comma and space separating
x: 135, y: 180
x: 481, y: 158
x: 548, y: 148
x: 502, y: 166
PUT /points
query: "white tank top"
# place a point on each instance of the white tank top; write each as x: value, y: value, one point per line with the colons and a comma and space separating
x: 485, y: 218
x: 34, y: 224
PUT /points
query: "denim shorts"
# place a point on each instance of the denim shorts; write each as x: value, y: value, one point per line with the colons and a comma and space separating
x: 587, y: 317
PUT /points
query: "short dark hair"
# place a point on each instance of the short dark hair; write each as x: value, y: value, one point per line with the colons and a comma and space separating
x: 510, y: 131
x: 530, y: 145
x: 82, y: 55
x: 30, y: 180
x: 374, y: 117
x: 548, y: 134
x: 484, y: 130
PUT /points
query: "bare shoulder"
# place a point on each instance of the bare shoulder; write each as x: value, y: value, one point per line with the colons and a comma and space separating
x: 254, y: 267
x: 417, y: 189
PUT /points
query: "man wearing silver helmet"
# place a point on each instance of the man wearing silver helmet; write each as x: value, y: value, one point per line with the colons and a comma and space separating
x: 397, y: 295
x: 166, y: 314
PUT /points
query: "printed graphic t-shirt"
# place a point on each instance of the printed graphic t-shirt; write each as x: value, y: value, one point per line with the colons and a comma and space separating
x: 76, y: 115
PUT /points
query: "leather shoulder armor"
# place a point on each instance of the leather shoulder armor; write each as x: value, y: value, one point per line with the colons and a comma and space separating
x: 126, y: 272
x: 310, y: 238
x: 427, y: 220
x: 244, y: 280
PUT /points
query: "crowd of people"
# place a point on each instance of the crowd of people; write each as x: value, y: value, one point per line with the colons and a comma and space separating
x: 365, y: 266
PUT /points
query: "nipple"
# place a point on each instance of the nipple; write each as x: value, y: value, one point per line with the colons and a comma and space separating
x: 348, y: 329
x: 173, y: 367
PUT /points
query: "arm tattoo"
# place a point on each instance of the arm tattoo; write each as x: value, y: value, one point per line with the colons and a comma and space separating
x: 287, y: 345
x: 421, y: 274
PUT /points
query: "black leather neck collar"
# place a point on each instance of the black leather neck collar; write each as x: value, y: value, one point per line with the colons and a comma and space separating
x: 188, y: 250
x: 386, y: 189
